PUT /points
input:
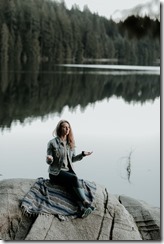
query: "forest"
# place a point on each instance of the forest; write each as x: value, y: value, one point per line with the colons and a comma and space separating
x: 36, y: 31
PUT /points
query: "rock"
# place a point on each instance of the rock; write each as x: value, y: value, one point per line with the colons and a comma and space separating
x: 114, y: 219
x: 146, y: 217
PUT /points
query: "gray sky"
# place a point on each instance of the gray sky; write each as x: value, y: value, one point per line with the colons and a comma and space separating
x: 105, y: 7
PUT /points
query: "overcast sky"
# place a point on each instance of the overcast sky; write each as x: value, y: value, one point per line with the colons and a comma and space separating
x: 105, y: 7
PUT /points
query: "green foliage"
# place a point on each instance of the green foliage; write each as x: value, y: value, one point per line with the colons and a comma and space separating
x: 47, y: 31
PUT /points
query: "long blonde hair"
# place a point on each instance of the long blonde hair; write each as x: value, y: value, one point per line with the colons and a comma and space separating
x: 70, y: 137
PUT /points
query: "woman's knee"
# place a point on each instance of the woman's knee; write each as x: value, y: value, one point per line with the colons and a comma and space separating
x: 52, y: 179
x: 75, y: 181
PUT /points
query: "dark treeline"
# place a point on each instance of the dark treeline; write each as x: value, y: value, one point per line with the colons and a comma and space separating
x: 43, y: 30
x: 32, y: 95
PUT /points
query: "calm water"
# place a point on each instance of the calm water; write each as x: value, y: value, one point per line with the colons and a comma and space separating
x: 115, y: 113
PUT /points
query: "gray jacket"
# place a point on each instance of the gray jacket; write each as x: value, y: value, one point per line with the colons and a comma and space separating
x: 55, y: 148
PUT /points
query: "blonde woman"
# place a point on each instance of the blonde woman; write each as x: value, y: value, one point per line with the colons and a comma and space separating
x: 60, y: 156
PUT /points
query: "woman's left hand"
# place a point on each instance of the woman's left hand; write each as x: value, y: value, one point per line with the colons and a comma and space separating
x: 87, y: 153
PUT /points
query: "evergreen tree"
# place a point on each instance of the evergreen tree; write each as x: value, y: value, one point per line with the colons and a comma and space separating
x: 47, y: 31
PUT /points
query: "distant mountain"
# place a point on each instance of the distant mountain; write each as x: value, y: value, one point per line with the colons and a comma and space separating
x: 150, y: 8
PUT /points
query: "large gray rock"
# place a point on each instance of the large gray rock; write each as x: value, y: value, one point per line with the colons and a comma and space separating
x: 113, y: 219
x: 146, y: 217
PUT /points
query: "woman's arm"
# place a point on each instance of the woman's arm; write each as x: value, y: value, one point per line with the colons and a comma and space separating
x: 86, y: 153
x: 80, y: 156
x: 49, y: 157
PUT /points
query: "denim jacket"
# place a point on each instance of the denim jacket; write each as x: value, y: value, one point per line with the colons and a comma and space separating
x: 55, y: 148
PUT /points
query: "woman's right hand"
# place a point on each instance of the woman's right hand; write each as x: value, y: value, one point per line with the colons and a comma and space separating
x: 49, y: 158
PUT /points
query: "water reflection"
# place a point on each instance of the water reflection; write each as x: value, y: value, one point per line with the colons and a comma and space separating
x: 155, y: 69
x: 33, y: 93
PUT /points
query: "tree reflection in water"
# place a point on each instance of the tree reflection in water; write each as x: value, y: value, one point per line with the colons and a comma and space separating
x: 32, y: 93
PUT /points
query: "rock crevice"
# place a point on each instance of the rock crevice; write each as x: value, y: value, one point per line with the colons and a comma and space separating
x: 104, y: 214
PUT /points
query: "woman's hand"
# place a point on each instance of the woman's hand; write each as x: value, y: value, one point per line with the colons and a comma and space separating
x: 50, y: 158
x: 87, y: 153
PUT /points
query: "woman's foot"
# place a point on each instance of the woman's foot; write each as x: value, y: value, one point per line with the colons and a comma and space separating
x: 86, y: 204
x: 87, y: 209
x: 86, y: 212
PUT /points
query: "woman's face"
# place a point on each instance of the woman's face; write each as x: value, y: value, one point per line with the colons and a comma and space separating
x: 65, y: 129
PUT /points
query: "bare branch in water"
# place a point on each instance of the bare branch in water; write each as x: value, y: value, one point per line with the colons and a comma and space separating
x: 128, y: 165
x: 128, y: 168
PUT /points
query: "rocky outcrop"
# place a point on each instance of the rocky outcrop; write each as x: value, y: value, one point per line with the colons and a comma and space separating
x: 147, y: 218
x: 115, y: 218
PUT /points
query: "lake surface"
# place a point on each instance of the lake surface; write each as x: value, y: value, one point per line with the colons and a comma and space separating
x: 113, y: 111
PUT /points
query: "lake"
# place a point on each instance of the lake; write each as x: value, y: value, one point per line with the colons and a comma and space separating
x: 114, y: 112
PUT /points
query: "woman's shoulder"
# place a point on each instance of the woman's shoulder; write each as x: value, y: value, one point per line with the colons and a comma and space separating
x: 54, y: 140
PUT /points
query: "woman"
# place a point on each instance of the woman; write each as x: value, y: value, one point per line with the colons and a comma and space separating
x: 60, y: 156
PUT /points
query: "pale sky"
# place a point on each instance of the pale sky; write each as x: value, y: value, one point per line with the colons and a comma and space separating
x: 105, y: 7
